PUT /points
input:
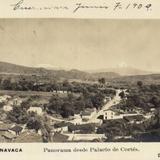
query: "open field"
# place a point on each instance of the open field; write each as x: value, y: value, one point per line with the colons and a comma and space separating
x: 28, y: 93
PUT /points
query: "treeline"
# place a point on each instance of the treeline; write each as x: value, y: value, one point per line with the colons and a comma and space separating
x: 145, y: 131
x: 90, y: 96
x: 20, y: 115
x: 142, y: 96
x: 70, y: 105
x: 30, y: 85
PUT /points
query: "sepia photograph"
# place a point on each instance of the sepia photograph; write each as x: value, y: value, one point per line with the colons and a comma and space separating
x: 79, y: 80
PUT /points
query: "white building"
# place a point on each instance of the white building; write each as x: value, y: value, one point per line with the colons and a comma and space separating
x: 77, y: 120
x: 37, y: 110
x: 85, y: 137
x: 7, y: 108
x: 112, y: 114
x: 61, y: 127
x: 4, y: 98
x: 14, y: 101
x: 117, y: 114
x: 88, y: 113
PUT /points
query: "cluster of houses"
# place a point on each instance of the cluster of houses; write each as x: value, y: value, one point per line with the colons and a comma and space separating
x: 88, y: 131
x: 76, y: 132
x: 9, y: 132
x: 79, y: 128
x: 9, y: 102
x: 85, y: 116
x: 61, y: 132
x: 70, y: 131
x: 82, y: 130
x: 18, y: 133
x: 132, y: 115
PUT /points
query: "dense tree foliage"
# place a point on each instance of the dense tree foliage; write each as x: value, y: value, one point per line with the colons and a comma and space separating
x: 140, y: 83
x: 145, y: 97
x: 72, y: 104
x: 102, y: 81
x: 18, y: 115
x: 34, y: 122
x: 122, y: 94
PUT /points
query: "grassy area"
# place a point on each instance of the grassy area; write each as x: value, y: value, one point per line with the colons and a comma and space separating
x: 25, y: 93
x: 33, y: 93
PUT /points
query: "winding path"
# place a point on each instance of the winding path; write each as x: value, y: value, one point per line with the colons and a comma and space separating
x: 116, y: 99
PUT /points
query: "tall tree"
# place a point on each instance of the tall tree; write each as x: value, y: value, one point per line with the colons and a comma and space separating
x: 55, y: 104
x: 102, y: 81
x: 18, y: 115
x: 67, y: 110
x: 34, y: 122
x: 140, y: 83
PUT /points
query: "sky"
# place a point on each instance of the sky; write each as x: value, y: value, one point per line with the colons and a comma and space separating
x: 84, y: 44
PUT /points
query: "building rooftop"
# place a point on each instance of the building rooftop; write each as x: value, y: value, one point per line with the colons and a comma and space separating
x: 5, y: 126
x: 28, y: 137
x: 62, y: 124
x: 8, y: 135
x: 134, y: 117
x: 119, y: 120
x: 81, y: 127
x: 88, y: 111
x: 116, y: 110
x: 57, y: 137
x: 16, y: 128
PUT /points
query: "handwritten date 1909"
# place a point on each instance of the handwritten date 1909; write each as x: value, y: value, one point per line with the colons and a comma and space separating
x: 116, y: 6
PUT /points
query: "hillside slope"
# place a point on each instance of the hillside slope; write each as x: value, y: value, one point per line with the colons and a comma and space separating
x: 8, y: 68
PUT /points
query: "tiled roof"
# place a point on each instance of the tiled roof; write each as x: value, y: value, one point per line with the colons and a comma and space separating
x: 4, y: 126
x: 8, y: 135
x: 57, y: 137
x: 2, y: 139
x: 62, y: 124
x: 81, y: 127
x: 134, y: 117
x: 119, y: 120
x: 88, y: 111
x: 16, y: 128
x: 28, y: 137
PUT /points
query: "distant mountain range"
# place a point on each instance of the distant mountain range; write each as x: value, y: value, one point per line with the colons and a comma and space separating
x: 8, y: 68
x: 123, y: 71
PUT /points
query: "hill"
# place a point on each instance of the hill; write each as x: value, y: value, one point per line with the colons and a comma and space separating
x: 8, y: 68
x: 147, y: 79
x: 124, y: 71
